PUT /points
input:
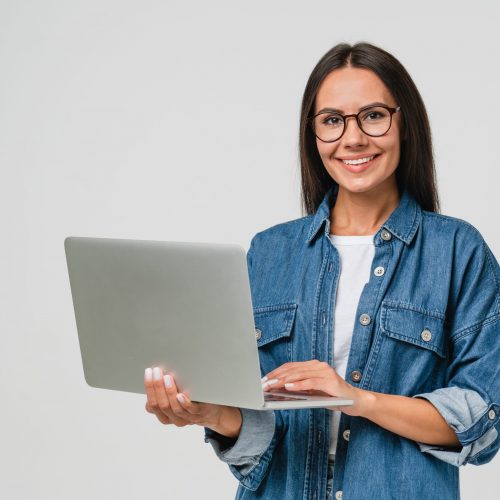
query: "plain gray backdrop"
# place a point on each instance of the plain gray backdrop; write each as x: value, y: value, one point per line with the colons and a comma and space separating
x: 178, y: 120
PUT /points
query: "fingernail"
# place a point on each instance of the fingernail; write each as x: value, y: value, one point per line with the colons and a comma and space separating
x: 289, y: 385
x: 263, y: 379
x: 167, y: 379
x: 156, y: 373
x: 180, y: 398
x: 148, y: 374
x: 265, y: 385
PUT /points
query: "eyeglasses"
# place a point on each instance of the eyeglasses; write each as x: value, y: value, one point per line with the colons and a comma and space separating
x: 375, y: 121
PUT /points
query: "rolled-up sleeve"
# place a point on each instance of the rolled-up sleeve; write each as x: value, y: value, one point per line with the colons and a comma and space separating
x: 472, y: 419
x: 249, y: 454
x: 470, y: 401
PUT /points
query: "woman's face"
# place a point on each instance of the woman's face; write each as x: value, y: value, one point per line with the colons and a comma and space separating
x: 347, y: 90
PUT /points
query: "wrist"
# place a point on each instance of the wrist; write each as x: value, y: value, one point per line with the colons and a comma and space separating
x: 229, y: 422
x: 367, y: 403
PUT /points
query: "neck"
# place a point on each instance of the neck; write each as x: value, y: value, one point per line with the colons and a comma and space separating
x: 361, y: 214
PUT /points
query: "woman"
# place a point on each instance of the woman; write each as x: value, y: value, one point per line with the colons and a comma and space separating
x: 386, y: 301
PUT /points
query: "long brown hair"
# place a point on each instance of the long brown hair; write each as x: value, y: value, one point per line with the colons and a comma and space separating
x: 416, y: 171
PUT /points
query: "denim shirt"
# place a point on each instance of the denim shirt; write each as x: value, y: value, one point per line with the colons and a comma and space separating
x: 427, y: 325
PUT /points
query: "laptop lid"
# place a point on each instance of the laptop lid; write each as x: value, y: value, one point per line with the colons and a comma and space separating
x: 185, y: 307
x: 169, y: 304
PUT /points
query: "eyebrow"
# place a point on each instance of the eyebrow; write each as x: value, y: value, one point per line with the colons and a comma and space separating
x: 333, y: 110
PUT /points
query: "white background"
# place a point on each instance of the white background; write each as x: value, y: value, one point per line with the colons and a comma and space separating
x: 179, y: 120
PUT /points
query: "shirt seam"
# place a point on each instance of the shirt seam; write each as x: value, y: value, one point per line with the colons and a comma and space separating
x: 460, y: 334
x: 455, y: 220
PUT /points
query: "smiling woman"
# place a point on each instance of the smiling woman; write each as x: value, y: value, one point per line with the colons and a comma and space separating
x: 389, y: 303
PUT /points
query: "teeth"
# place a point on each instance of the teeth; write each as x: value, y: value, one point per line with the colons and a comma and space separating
x: 360, y: 160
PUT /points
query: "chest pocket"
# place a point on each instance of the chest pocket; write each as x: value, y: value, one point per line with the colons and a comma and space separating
x: 409, y: 324
x: 413, y: 357
x: 273, y: 331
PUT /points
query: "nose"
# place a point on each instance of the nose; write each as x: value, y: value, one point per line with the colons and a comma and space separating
x: 353, y: 135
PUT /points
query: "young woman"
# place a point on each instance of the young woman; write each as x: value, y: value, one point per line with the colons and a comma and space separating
x: 373, y: 296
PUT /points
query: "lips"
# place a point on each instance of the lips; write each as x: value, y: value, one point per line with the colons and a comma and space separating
x: 355, y: 169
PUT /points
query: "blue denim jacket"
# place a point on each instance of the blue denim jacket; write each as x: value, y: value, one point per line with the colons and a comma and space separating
x: 432, y: 330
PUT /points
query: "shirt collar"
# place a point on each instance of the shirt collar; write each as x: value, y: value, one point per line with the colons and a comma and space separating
x: 402, y: 223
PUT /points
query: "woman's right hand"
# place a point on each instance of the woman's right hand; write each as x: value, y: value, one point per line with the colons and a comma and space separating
x: 172, y: 407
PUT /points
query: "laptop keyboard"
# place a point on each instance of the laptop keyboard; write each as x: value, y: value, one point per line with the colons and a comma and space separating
x: 276, y: 397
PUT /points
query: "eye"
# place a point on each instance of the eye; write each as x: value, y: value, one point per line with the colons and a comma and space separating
x: 375, y: 115
x: 332, y: 120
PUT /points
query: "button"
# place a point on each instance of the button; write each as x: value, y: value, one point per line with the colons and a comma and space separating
x: 356, y: 376
x: 386, y: 235
x: 365, y: 319
x: 346, y: 434
x: 338, y: 495
x: 258, y: 334
x: 379, y: 271
x: 426, y: 335
x: 491, y: 414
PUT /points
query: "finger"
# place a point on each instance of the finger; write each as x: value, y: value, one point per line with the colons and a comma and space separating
x: 176, y: 410
x: 317, y: 370
x: 189, y: 406
x: 159, y: 390
x: 150, y: 392
x: 318, y: 384
x: 163, y: 401
x: 158, y: 413
x: 152, y: 402
x: 193, y: 409
x: 162, y: 417
x: 283, y: 370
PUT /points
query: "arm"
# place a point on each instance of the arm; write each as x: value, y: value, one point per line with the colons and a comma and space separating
x: 229, y: 422
x: 412, y: 418
x: 470, y: 399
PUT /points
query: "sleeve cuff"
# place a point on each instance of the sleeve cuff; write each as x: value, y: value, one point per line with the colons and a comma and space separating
x: 473, y: 420
x: 256, y: 434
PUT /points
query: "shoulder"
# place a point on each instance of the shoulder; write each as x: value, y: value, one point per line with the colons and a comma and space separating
x: 283, y: 242
x: 292, y: 229
x: 465, y: 247
x: 444, y: 226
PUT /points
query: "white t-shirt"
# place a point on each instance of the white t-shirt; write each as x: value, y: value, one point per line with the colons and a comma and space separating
x: 356, y: 256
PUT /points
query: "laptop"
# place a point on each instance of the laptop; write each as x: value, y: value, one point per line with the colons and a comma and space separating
x: 185, y: 307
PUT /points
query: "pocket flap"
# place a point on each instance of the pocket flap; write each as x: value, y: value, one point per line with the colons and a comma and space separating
x: 273, y: 322
x: 410, y: 324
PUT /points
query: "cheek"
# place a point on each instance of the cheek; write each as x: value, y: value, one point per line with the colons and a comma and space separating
x: 325, y: 150
x: 393, y: 152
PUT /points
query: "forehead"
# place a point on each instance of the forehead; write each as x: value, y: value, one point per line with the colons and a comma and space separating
x: 348, y: 89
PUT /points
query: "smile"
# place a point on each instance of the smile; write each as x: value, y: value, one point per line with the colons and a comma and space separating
x: 358, y: 161
x: 360, y: 164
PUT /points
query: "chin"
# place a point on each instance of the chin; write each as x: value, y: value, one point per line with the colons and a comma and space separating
x: 357, y: 187
x: 364, y: 184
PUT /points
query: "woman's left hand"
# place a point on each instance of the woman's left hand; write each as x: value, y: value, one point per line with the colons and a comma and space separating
x: 319, y: 378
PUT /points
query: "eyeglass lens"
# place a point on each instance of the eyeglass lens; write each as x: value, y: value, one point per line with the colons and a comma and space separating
x: 374, y: 121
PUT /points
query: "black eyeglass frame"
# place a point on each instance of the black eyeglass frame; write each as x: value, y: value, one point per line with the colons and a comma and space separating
x: 344, y: 118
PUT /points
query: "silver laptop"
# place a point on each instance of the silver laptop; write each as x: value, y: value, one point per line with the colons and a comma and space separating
x: 185, y: 307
